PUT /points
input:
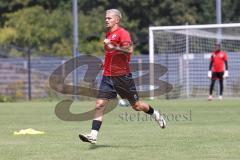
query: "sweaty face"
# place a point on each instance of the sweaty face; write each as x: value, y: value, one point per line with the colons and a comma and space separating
x: 111, y: 20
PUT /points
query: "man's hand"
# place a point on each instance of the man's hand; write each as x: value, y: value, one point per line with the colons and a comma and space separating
x: 124, y: 49
x: 225, y: 75
x: 106, y: 41
x: 209, y: 74
x: 109, y: 45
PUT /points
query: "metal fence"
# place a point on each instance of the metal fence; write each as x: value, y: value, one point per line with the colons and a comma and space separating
x: 187, y: 75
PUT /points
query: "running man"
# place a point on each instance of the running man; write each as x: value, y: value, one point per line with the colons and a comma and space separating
x: 117, y: 77
x: 218, y: 70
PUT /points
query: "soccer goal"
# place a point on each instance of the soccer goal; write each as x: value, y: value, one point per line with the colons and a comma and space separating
x: 185, y: 51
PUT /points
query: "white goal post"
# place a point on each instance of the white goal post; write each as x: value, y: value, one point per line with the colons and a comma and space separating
x: 185, y: 51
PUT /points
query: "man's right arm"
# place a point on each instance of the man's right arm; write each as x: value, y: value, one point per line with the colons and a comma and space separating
x: 210, y: 68
x: 210, y: 65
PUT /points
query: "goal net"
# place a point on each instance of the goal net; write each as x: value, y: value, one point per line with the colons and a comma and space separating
x: 186, y: 51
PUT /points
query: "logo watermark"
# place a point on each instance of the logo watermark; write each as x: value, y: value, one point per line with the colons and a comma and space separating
x: 168, y: 116
x: 88, y: 86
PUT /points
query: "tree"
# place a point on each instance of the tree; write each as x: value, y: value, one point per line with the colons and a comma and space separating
x: 46, y: 25
x: 231, y: 12
x: 51, y: 32
x: 42, y: 30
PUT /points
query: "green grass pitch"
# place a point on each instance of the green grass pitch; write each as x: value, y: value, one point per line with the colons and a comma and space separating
x: 196, y: 130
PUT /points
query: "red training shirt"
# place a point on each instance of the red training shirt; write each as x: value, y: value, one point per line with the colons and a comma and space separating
x: 218, y: 58
x: 117, y: 63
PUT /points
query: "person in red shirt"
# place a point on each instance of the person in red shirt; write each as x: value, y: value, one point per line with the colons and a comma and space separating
x: 218, y: 70
x: 117, y: 77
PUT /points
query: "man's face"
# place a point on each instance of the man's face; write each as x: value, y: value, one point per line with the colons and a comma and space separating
x: 217, y: 47
x: 111, y: 20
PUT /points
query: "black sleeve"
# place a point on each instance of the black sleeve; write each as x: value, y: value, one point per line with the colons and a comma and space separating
x: 226, y: 65
x: 210, y: 65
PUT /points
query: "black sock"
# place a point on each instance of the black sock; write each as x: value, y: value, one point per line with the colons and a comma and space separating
x: 150, y: 111
x: 212, y: 86
x: 96, y: 125
x: 221, y: 86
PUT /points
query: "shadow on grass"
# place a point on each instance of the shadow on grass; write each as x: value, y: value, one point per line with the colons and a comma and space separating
x: 95, y: 146
x: 98, y: 146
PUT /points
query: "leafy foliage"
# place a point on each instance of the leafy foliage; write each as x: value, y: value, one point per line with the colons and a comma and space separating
x: 46, y: 25
x: 40, y: 29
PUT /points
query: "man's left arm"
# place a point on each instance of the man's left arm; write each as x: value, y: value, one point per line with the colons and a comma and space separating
x: 126, y: 48
x: 125, y: 43
x: 226, y: 67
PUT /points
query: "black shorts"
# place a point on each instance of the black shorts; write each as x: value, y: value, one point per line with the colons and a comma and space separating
x: 217, y: 75
x: 123, y: 85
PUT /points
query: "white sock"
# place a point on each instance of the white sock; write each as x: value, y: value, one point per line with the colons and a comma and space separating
x: 94, y: 133
x: 155, y: 112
